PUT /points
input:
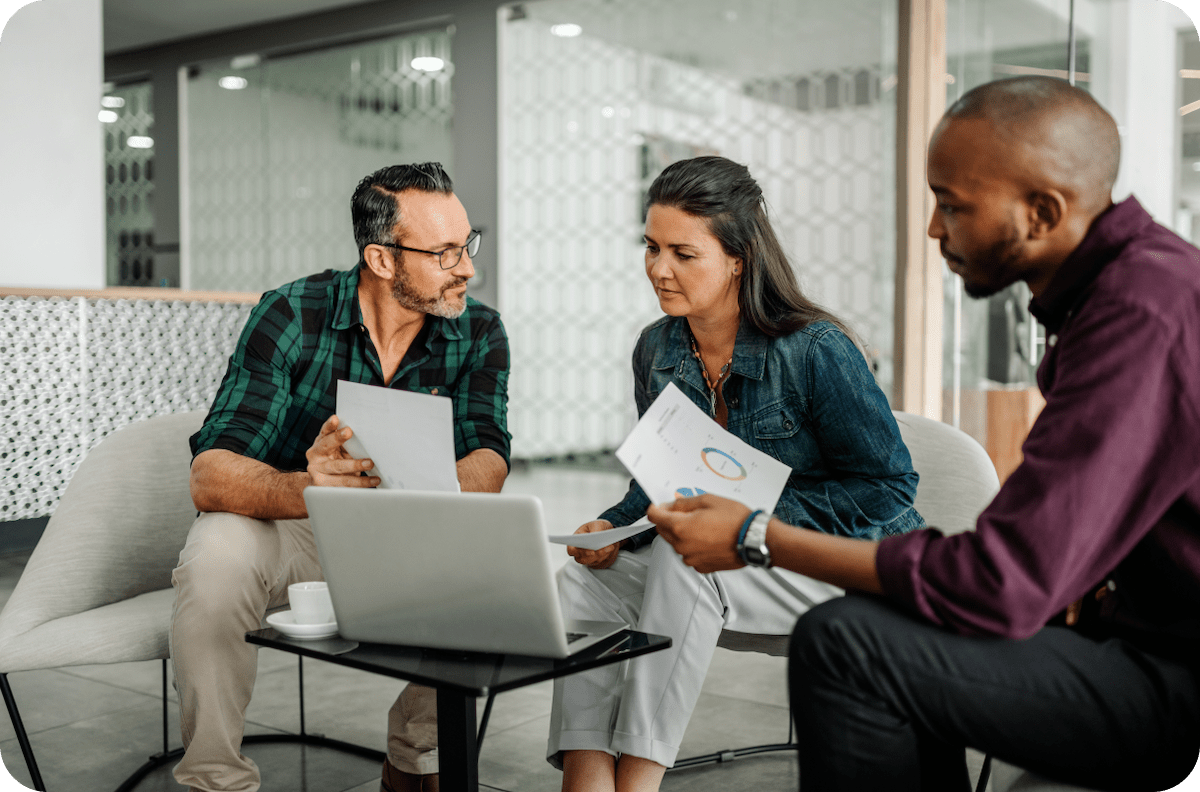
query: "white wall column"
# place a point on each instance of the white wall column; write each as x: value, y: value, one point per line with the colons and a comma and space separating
x: 51, y: 150
x: 1135, y: 76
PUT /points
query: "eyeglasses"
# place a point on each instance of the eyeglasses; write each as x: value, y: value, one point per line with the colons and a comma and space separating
x: 451, y: 256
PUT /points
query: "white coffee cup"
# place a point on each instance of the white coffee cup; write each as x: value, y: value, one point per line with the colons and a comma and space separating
x: 311, y: 603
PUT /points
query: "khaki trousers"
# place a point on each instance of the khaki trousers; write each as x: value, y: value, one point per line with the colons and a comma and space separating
x: 232, y: 570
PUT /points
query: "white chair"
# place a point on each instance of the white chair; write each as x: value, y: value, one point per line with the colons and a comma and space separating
x: 957, y: 480
x: 97, y: 588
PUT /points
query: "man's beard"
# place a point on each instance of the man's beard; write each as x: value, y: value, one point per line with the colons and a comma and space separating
x: 409, y: 297
x: 998, y: 262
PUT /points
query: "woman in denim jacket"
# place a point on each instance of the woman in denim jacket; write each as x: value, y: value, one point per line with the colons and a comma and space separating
x: 773, y: 368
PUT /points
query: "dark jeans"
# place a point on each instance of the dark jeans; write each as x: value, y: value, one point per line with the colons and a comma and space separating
x: 885, y: 701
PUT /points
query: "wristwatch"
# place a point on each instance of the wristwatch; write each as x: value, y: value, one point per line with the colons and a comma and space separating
x: 753, y: 548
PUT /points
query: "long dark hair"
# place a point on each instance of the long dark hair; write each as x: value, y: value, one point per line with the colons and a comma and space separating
x: 723, y: 193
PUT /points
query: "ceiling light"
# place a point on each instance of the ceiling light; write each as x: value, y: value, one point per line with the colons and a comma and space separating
x: 566, y: 30
x: 428, y: 63
x: 139, y: 141
x: 112, y: 101
x: 233, y: 83
x: 245, y: 61
x: 1196, y: 166
x: 107, y: 116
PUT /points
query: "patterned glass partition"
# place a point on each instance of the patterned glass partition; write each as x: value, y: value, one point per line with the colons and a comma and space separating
x: 275, y: 151
x: 128, y: 126
x: 801, y: 92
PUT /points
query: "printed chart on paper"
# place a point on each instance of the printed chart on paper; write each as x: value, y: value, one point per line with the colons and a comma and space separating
x: 677, y: 451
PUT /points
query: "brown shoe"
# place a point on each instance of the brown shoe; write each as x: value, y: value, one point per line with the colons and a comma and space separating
x: 399, y: 781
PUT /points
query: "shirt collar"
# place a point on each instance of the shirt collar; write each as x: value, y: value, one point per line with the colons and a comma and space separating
x: 344, y: 292
x: 347, y: 313
x: 1110, y: 232
x: 749, y: 349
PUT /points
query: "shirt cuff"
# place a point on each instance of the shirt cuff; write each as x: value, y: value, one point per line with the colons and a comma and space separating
x: 898, y: 564
x: 491, y: 439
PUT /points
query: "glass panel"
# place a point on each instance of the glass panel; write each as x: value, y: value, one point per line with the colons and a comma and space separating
x: 991, y: 346
x: 275, y: 151
x: 127, y: 124
x: 599, y: 97
x: 1187, y: 222
x: 1125, y: 56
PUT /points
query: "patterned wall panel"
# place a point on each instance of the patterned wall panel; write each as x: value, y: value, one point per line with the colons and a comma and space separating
x: 81, y: 368
x: 129, y: 185
x: 587, y: 123
x: 273, y: 164
x: 40, y: 404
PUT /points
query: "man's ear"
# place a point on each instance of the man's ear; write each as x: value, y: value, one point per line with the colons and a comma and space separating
x: 1047, y: 208
x: 380, y: 261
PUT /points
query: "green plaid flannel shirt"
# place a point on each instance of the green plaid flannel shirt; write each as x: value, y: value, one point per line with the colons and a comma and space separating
x: 281, y: 384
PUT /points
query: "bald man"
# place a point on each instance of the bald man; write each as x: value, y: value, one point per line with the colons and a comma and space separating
x: 1063, y: 634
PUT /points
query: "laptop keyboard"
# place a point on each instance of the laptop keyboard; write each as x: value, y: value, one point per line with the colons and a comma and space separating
x: 573, y: 637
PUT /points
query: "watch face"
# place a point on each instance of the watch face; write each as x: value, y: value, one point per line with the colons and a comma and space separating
x: 755, y: 556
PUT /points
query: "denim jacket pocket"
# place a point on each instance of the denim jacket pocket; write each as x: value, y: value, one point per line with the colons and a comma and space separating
x: 777, y: 422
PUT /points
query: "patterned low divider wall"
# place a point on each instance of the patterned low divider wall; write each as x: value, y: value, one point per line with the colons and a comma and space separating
x: 77, y: 366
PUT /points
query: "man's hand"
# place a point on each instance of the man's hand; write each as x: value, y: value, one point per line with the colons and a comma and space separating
x: 1076, y: 607
x: 330, y: 465
x: 703, y: 530
x: 596, y: 559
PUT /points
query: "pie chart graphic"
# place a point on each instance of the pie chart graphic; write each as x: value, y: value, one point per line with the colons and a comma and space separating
x: 723, y: 464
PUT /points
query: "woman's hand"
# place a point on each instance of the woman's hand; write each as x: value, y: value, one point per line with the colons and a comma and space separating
x: 330, y: 464
x: 703, y: 530
x: 596, y: 559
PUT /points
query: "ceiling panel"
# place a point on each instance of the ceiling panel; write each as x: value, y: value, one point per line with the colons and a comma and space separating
x: 133, y: 24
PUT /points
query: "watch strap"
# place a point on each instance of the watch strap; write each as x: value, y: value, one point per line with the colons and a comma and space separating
x: 754, y: 551
x: 741, y: 538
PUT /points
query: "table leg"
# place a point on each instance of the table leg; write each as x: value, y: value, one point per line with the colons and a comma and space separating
x: 458, y: 759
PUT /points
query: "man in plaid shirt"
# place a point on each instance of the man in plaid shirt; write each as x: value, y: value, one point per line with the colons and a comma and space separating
x: 399, y: 319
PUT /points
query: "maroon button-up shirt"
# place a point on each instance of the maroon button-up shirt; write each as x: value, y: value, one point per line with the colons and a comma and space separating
x: 1109, y: 489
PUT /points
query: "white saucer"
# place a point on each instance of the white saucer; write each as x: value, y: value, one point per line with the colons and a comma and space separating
x: 285, y: 622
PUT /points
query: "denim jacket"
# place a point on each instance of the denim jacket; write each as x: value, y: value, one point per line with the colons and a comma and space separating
x: 809, y: 400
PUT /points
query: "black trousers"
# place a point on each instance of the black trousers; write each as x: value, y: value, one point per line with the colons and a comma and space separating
x: 885, y: 701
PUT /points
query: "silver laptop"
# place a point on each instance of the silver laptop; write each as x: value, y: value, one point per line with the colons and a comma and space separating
x: 461, y: 571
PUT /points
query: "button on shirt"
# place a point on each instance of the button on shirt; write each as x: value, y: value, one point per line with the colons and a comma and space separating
x: 1109, y: 487
x: 301, y: 338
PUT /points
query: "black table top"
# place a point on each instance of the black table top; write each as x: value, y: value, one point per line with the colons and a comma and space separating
x: 470, y: 673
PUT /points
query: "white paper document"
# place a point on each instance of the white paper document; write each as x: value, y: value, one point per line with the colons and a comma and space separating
x: 677, y: 451
x: 409, y: 436
x: 594, y: 541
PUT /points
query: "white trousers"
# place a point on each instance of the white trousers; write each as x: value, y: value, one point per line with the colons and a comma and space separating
x: 231, y: 571
x: 641, y: 707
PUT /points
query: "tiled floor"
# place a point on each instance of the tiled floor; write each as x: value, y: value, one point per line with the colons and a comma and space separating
x: 91, y: 726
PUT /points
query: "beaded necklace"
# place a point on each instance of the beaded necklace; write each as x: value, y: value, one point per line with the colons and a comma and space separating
x: 712, y: 386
